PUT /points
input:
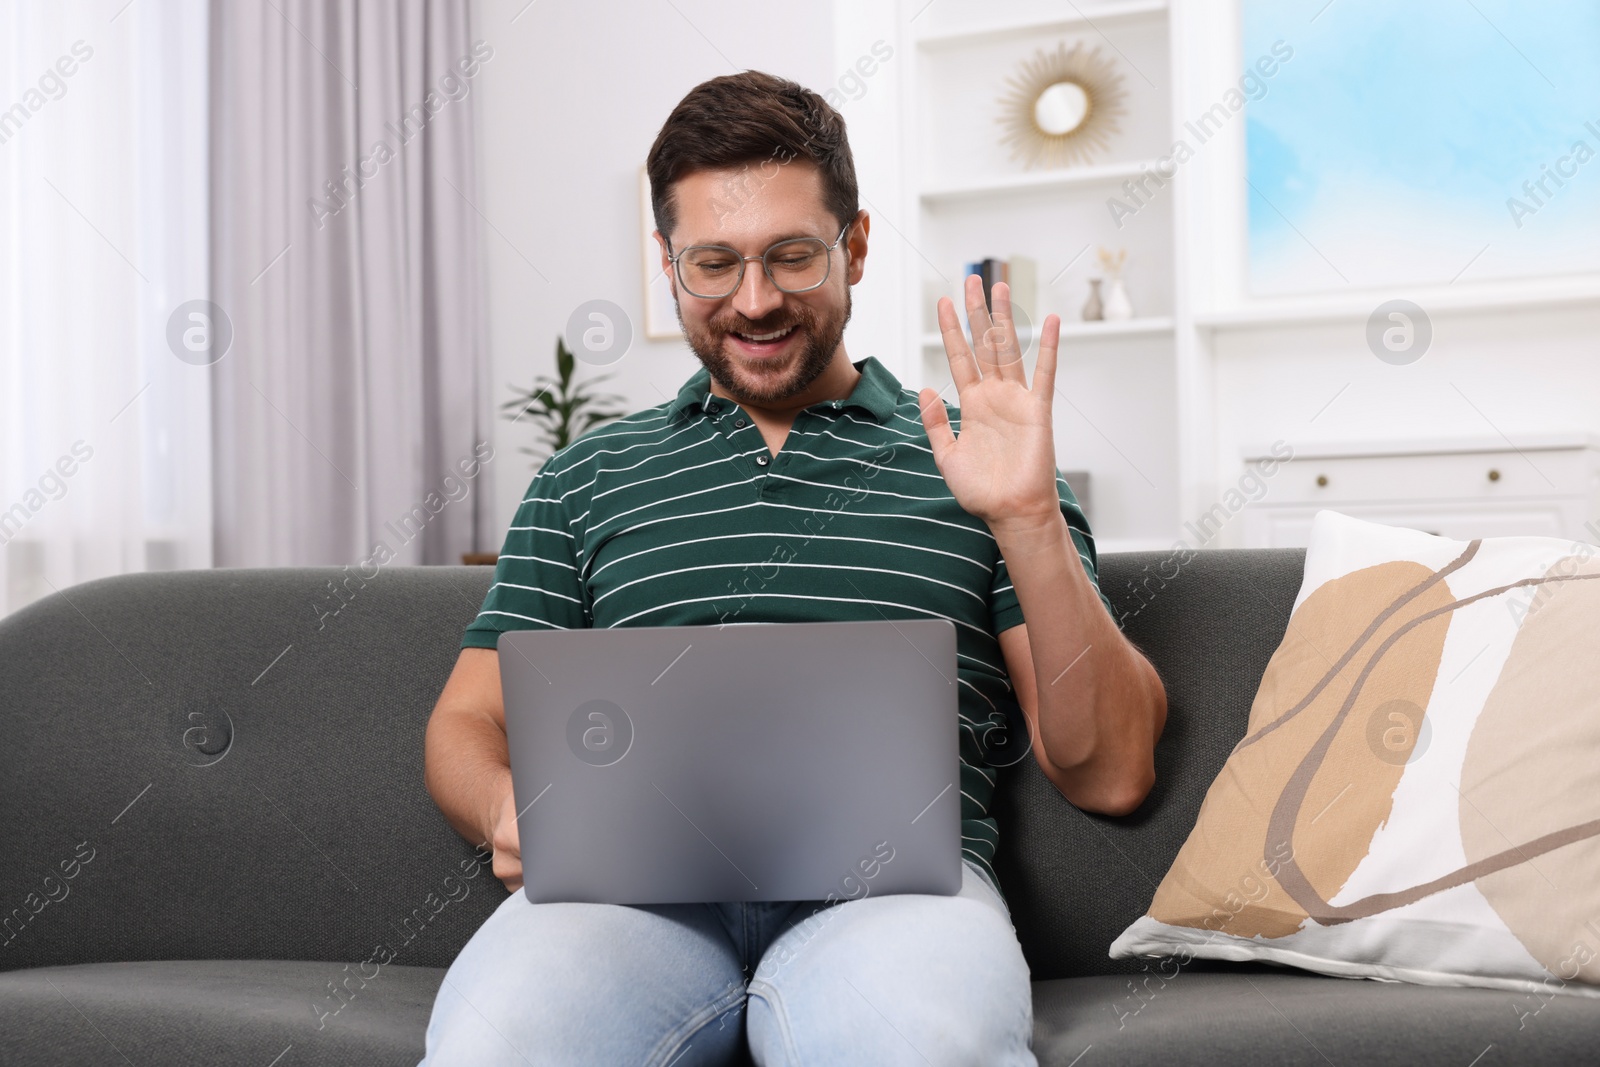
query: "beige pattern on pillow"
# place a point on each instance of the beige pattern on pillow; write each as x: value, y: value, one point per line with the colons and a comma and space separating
x: 1536, y: 735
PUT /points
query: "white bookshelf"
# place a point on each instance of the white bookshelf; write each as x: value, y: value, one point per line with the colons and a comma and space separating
x: 946, y: 192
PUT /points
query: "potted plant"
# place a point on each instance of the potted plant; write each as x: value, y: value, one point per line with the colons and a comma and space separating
x: 562, y: 411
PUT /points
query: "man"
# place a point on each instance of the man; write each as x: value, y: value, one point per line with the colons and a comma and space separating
x: 786, y: 483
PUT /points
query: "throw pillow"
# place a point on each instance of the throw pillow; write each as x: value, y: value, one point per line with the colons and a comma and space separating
x: 1417, y: 797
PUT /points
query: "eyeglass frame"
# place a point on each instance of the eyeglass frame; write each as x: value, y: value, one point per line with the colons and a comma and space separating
x: 765, y: 269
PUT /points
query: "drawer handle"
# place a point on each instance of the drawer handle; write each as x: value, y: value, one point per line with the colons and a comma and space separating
x: 1494, y: 475
x: 1322, y: 479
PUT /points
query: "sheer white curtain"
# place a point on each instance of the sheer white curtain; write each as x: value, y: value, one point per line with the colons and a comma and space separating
x: 184, y: 171
x: 104, y: 433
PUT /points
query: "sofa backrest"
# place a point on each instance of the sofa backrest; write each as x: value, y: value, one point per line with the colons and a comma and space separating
x: 243, y: 763
x: 1075, y: 881
x: 228, y: 764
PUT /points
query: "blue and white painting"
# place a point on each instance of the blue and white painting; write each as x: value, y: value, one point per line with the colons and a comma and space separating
x: 1424, y: 142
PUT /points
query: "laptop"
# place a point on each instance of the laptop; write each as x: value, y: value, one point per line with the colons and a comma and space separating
x: 743, y: 762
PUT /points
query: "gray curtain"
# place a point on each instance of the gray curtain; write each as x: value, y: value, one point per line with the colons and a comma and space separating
x: 351, y: 414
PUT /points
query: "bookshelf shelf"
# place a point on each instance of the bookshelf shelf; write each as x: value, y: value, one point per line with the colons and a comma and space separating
x: 1071, y: 331
x: 1130, y: 328
x: 1053, y: 181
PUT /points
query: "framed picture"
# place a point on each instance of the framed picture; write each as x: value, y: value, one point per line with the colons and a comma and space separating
x: 660, y: 312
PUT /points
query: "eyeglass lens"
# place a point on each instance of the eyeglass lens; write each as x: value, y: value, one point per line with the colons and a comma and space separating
x: 710, y: 271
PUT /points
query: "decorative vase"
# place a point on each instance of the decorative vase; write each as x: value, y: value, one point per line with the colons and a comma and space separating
x: 1117, y: 308
x: 1094, y: 310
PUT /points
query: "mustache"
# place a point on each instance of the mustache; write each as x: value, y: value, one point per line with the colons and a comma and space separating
x: 739, y: 324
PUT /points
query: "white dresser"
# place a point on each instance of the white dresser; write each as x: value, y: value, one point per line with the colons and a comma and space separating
x: 1547, y: 484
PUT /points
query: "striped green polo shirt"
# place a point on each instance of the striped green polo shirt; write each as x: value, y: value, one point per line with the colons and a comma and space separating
x: 679, y: 515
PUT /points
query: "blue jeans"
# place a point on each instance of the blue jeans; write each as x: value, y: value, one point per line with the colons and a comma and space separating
x: 882, y: 980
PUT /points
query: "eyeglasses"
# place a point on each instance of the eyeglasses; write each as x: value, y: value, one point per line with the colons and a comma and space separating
x: 712, y: 272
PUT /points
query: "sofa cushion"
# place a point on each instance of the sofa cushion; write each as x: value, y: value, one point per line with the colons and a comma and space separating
x: 1253, y: 1016
x: 214, y: 1011
x: 245, y: 765
x: 1209, y: 625
x: 252, y: 1011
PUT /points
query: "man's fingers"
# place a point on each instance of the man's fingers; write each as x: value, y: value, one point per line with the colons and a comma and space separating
x: 937, y: 422
x: 1044, y: 369
x: 508, y: 867
x: 963, y: 371
x: 507, y: 845
x: 1004, y: 343
x: 979, y: 322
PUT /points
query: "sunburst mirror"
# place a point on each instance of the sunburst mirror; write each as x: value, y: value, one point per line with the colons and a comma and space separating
x: 1061, y: 106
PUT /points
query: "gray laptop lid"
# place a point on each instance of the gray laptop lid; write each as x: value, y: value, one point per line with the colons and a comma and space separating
x: 773, y: 761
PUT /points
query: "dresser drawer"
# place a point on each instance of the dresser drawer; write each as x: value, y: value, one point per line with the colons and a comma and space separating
x: 1473, y: 476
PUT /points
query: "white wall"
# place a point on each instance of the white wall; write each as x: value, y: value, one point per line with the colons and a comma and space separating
x: 567, y: 109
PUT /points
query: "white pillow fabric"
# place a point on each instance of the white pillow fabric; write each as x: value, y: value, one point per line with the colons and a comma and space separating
x: 1417, y: 797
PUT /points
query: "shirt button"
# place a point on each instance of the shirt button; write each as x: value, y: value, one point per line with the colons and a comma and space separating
x: 738, y: 423
x: 712, y: 408
x: 761, y: 461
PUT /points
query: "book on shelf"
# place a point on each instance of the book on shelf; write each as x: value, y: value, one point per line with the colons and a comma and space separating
x: 1021, y: 274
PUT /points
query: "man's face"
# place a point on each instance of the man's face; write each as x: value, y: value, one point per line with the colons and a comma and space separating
x: 760, y: 344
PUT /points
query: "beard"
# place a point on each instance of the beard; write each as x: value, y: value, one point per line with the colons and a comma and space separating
x: 767, y: 384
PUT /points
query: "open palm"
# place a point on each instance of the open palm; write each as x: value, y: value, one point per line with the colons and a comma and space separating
x: 1002, y: 467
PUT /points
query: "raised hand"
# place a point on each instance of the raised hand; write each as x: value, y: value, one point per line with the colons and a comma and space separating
x: 1002, y: 467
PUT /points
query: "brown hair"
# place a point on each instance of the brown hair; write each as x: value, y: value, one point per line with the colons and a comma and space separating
x: 741, y: 118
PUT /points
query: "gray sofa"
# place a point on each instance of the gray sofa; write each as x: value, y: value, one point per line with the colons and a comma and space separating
x: 217, y: 847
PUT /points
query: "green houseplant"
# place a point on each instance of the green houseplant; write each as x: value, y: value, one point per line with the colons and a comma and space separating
x: 562, y: 411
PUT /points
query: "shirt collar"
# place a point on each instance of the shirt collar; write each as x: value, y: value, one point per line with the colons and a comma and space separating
x: 877, y: 392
